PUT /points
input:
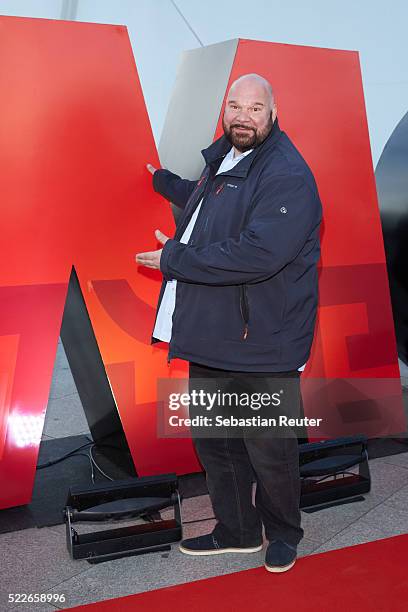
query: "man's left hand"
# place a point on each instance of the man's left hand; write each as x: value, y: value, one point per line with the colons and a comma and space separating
x: 151, y: 259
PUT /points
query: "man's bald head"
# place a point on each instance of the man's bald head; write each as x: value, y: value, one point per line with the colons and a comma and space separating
x: 250, y: 112
x: 252, y: 81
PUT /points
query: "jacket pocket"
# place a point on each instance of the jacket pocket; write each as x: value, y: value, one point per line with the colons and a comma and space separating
x: 262, y: 310
x: 244, y: 308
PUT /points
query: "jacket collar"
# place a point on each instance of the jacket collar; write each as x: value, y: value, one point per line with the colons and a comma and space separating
x: 218, y: 150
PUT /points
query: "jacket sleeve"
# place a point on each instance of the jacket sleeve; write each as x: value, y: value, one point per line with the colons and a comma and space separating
x: 283, y: 215
x: 172, y: 187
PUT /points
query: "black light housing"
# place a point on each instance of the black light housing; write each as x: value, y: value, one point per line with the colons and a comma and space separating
x: 124, y: 499
x: 324, y: 471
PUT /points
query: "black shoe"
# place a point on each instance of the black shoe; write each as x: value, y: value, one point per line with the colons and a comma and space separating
x: 208, y: 545
x: 280, y: 557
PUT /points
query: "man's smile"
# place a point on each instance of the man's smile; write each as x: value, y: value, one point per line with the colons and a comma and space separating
x: 243, y: 130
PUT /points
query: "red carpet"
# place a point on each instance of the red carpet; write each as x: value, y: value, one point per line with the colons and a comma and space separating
x: 369, y: 577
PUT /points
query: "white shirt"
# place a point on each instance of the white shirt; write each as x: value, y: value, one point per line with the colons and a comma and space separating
x: 164, y: 320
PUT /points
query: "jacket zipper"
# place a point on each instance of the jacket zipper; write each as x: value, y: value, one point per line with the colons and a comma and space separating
x: 244, y: 307
x: 198, y: 188
x: 198, y: 227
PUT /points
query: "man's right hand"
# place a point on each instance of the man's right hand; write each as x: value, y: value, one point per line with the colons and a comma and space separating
x: 151, y: 168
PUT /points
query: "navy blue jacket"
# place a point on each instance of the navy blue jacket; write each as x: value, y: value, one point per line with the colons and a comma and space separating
x: 247, y: 290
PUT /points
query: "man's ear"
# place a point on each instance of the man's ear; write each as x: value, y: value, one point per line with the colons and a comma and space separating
x: 274, y: 112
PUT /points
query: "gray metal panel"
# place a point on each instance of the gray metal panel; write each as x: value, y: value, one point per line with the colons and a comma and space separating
x: 391, y: 176
x: 194, y: 108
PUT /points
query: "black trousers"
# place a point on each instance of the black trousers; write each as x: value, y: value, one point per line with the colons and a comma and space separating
x: 233, y: 460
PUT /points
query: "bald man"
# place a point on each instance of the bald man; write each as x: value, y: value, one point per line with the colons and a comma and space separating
x: 238, y: 302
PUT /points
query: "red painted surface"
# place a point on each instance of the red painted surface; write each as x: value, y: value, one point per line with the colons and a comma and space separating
x: 75, y: 138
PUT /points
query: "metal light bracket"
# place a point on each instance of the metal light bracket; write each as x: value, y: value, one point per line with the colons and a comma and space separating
x: 123, y: 499
x: 325, y: 471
